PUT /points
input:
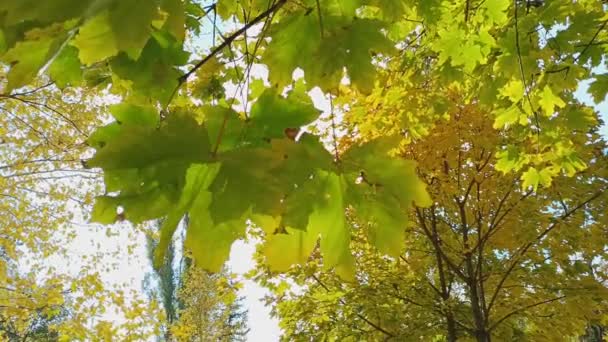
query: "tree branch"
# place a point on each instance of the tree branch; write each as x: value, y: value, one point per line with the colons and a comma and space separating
x: 522, y: 251
x: 523, y: 75
x: 231, y: 38
x: 438, y: 248
x: 493, y: 326
x: 370, y: 323
x: 591, y: 41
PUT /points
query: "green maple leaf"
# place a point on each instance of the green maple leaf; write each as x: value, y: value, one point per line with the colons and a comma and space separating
x: 599, y: 88
x: 95, y: 39
x: 514, y: 90
x: 496, y: 10
x: 532, y: 178
x: 66, y: 69
x: 397, y: 176
x: 104, y: 210
x: 27, y: 57
x: 568, y: 160
x: 449, y: 44
x: 388, y: 186
x: 299, y: 203
x: 391, y: 10
x: 363, y: 38
x: 383, y: 215
x: 3, y: 43
x: 290, y: 248
x: 133, y: 114
x: 227, y: 8
x: 272, y: 114
x: 351, y: 45
x: 194, y: 198
x: 347, y: 8
x: 262, y: 176
x: 45, y: 12
x: 144, y: 163
x: 510, y: 159
x: 137, y: 208
x: 154, y: 74
x: 549, y: 101
x: 329, y: 220
x: 469, y: 56
x: 346, y: 43
x: 224, y: 121
x: 136, y: 146
x: 210, y: 244
x: 131, y: 32
x: 509, y: 116
x: 580, y: 118
x: 126, y: 114
x: 176, y: 21
x: 283, y: 57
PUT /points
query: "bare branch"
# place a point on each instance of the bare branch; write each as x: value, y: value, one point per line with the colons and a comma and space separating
x: 522, y: 309
x: 522, y: 251
x: 370, y: 323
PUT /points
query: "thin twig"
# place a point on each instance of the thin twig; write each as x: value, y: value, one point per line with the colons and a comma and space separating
x: 38, y: 105
x: 591, y: 41
x: 228, y: 41
x: 523, y: 77
x: 231, y: 38
x: 29, y: 92
x: 333, y: 129
x: 366, y: 320
x: 524, y: 249
x: 320, y: 18
x: 524, y: 309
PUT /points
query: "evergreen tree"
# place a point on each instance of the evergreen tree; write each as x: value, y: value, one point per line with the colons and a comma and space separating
x: 198, y: 305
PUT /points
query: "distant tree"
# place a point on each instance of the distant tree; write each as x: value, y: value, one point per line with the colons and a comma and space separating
x: 211, y: 309
x: 162, y: 283
x: 39, y: 329
x: 198, y: 305
x: 594, y: 333
x: 236, y: 324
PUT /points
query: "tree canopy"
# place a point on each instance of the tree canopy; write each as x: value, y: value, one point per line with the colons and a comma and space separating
x: 463, y: 112
x: 488, y: 258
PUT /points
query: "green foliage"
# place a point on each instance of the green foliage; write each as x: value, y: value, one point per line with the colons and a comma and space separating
x: 29, y: 55
x: 210, y: 309
x: 183, y: 145
x: 599, y: 88
x: 495, y: 256
x: 65, y: 68
x: 146, y: 163
x: 95, y: 40
x: 171, y: 170
x: 197, y: 304
x: 344, y: 43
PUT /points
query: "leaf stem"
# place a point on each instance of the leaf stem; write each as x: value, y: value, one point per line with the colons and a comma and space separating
x: 523, y: 77
x: 227, y: 41
x: 333, y: 129
x: 320, y: 19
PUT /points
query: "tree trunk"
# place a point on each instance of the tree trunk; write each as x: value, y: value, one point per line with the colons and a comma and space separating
x: 483, y: 336
x: 451, y: 327
x: 451, y: 333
